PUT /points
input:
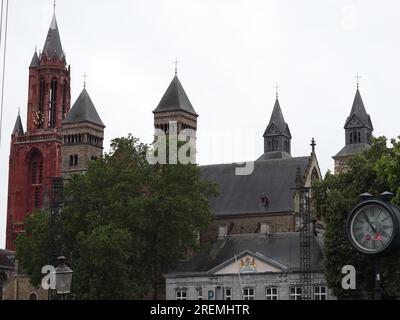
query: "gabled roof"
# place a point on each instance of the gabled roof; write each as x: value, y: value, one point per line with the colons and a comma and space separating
x: 83, y: 110
x: 277, y: 121
x: 240, y: 194
x: 18, y: 127
x: 35, y: 61
x: 358, y: 111
x: 175, y: 99
x: 53, y: 46
x: 281, y: 248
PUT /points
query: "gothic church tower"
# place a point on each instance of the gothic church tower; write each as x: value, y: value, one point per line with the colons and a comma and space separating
x: 35, y: 155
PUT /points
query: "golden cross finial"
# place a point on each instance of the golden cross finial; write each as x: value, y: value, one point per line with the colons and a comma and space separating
x: 176, y: 65
x: 276, y: 87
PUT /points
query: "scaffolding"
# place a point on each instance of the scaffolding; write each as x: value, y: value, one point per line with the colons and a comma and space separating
x: 305, y: 223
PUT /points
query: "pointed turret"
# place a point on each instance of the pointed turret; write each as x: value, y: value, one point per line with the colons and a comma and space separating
x: 277, y: 136
x: 358, y: 131
x: 175, y: 99
x: 83, y: 110
x: 52, y: 46
x: 359, y: 113
x: 18, y: 128
x: 35, y: 61
x: 175, y: 112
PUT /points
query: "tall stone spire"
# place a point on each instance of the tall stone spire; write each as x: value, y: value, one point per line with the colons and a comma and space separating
x: 52, y: 46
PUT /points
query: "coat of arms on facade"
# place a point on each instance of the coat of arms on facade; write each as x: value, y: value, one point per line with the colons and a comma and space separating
x: 247, y: 264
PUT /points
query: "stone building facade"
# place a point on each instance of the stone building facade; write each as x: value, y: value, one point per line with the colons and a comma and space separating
x: 229, y: 270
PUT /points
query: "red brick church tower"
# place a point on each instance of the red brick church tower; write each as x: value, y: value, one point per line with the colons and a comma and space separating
x: 35, y: 155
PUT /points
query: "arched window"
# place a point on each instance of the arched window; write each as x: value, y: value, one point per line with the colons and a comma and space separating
x: 53, y: 103
x: 64, y: 99
x: 71, y: 160
x: 75, y: 160
x: 359, y: 137
x: 33, y: 296
x: 351, y: 137
x: 41, y: 94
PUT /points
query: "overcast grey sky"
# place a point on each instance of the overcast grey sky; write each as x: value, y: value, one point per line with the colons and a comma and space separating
x: 232, y: 53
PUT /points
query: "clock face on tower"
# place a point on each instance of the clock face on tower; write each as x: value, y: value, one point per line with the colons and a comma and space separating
x: 38, y: 118
x: 372, y: 228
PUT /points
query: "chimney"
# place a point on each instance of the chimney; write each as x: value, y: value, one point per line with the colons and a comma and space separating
x: 222, y: 231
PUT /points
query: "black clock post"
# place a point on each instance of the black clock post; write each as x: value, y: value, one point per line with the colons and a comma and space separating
x: 373, y: 229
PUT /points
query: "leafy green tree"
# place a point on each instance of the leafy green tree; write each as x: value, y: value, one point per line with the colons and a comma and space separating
x: 374, y: 171
x: 125, y: 222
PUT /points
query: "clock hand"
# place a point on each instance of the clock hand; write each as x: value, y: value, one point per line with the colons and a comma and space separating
x: 369, y: 222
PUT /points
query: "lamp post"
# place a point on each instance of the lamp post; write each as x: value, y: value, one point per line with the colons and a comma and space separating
x: 63, y: 278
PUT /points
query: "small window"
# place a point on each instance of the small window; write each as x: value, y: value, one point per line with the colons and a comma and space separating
x: 181, y: 294
x: 33, y: 296
x: 295, y: 293
x: 320, y: 293
x: 248, y: 294
x: 76, y: 160
x: 271, y: 293
x: 228, y: 294
x: 71, y: 160
x: 351, y: 137
x: 200, y: 294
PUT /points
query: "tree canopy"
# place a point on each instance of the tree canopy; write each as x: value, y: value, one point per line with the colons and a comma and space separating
x: 125, y: 222
x: 374, y: 171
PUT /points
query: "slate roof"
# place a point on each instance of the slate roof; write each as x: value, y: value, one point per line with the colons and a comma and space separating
x: 18, y: 127
x: 274, y: 155
x: 6, y: 259
x: 241, y: 194
x: 35, y: 61
x: 175, y: 99
x: 359, y: 111
x: 352, y: 149
x: 283, y: 248
x: 277, y: 119
x: 53, y: 46
x: 83, y: 110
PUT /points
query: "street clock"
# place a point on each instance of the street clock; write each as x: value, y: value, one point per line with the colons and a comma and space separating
x: 373, y: 226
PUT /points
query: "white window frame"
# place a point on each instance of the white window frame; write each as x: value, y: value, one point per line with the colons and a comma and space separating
x: 228, y: 296
x: 199, y: 294
x: 318, y: 295
x: 298, y: 292
x: 271, y: 295
x: 247, y: 295
x: 181, y: 294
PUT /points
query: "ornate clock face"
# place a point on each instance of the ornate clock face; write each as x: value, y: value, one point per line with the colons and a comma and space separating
x: 38, y: 118
x: 372, y: 228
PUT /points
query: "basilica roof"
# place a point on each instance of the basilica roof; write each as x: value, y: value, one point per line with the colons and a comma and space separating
x: 240, y: 194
